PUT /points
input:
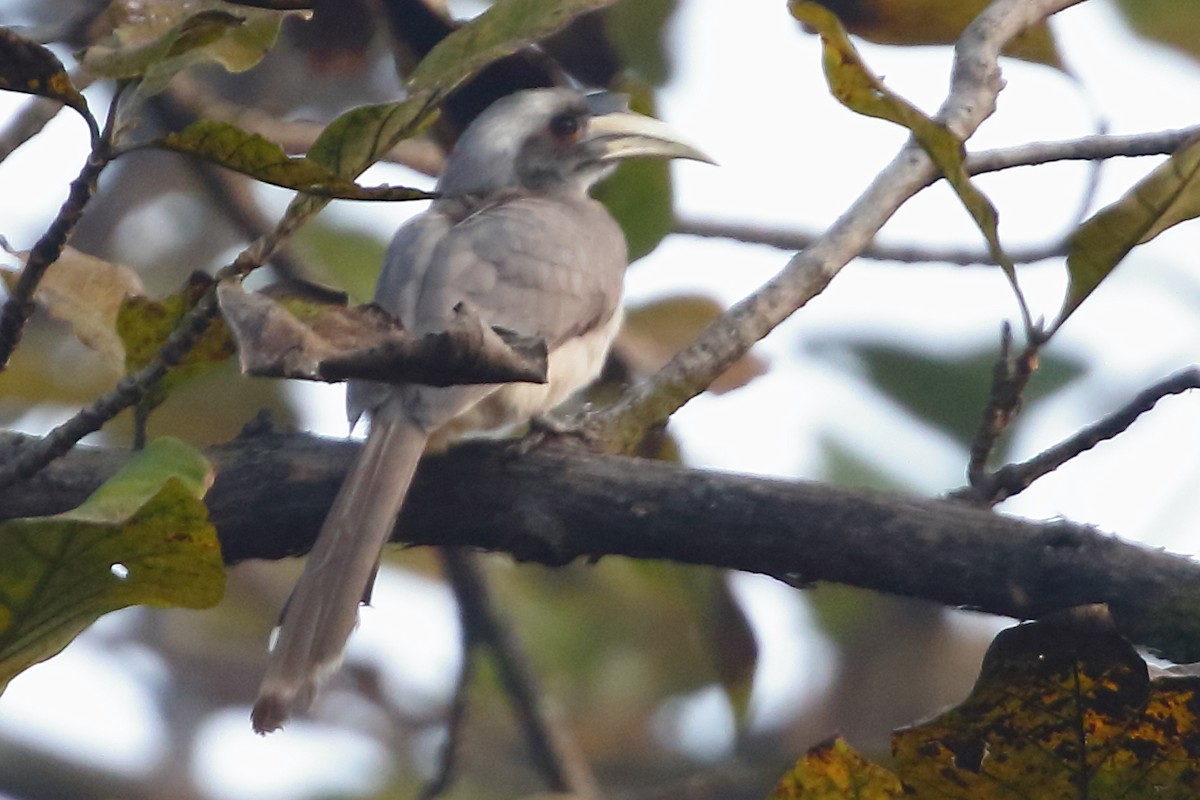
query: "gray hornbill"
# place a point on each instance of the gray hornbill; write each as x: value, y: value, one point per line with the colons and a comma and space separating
x: 514, y: 234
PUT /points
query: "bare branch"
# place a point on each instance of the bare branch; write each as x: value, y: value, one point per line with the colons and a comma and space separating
x: 273, y: 490
x: 972, y: 98
x: 910, y: 254
x: 1088, y: 148
x: 1013, y: 479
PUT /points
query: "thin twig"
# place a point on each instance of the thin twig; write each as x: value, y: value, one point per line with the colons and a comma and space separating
x: 793, y: 240
x: 1090, y: 148
x: 1010, y: 376
x: 20, y: 305
x: 486, y: 627
x: 1012, y: 479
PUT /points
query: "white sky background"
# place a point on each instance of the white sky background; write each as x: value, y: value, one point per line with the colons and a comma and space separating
x: 748, y: 89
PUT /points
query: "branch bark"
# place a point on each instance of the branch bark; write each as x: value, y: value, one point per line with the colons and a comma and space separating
x: 975, y: 84
x: 554, y: 506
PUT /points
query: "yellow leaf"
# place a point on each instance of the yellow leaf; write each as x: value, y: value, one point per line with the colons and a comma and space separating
x: 1062, y: 709
x: 833, y: 770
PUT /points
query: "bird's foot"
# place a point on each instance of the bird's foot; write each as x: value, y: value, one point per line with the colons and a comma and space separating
x: 547, y: 431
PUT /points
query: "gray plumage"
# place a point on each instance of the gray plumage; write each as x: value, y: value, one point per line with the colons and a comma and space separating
x: 515, y: 235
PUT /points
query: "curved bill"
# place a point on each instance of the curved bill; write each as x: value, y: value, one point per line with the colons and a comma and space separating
x: 621, y: 134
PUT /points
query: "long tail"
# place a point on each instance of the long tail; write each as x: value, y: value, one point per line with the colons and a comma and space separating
x: 323, y: 608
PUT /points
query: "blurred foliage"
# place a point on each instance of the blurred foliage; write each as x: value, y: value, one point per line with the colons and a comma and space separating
x: 1167, y: 21
x: 615, y: 642
x: 656, y: 331
x: 944, y: 390
x: 920, y: 22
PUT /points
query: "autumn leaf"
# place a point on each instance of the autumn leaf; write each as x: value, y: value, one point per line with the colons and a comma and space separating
x: 292, y: 337
x: 142, y: 538
x: 30, y: 68
x: 86, y: 292
x: 833, y: 770
x: 1063, y: 708
x: 925, y: 22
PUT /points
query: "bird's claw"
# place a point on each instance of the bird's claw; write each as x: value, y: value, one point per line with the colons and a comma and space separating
x: 545, y: 430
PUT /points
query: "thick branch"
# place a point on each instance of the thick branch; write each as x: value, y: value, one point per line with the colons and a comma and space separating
x: 552, y: 507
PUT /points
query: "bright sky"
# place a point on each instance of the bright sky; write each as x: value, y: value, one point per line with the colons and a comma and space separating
x: 748, y: 89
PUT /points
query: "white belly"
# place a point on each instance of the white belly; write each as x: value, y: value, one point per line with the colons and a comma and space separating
x: 571, y: 367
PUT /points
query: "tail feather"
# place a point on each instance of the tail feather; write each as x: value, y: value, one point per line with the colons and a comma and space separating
x: 323, y: 608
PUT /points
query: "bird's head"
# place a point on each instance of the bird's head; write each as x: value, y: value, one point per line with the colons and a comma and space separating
x: 554, y: 140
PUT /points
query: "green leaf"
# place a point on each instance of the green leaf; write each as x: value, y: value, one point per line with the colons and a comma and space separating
x: 636, y: 29
x: 1167, y: 21
x: 506, y: 27
x: 253, y: 155
x: 162, y: 38
x: 361, y: 136
x: 1166, y: 197
x: 860, y: 90
x: 141, y: 538
x: 30, y: 68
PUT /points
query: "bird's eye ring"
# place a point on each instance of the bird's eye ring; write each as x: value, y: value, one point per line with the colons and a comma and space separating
x: 564, y: 126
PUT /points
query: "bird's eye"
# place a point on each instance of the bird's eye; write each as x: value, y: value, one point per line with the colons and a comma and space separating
x: 564, y: 126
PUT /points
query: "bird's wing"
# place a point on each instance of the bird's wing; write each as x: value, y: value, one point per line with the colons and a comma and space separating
x: 541, y: 267
x: 548, y: 268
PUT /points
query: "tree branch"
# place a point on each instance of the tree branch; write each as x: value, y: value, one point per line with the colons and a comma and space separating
x: 975, y: 85
x: 1012, y: 479
x: 554, y: 507
x: 1089, y: 148
x: 785, y: 239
